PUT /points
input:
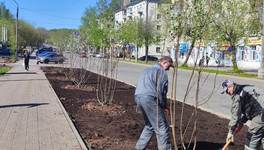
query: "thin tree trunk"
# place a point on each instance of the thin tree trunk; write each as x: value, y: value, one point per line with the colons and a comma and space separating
x: 189, y: 52
x: 234, y: 57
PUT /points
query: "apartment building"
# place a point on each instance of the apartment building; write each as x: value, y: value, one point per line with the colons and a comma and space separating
x: 135, y: 9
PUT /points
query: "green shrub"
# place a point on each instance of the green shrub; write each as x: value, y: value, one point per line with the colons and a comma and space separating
x: 14, y: 58
x: 184, y: 65
x: 237, y: 71
x: 4, y: 70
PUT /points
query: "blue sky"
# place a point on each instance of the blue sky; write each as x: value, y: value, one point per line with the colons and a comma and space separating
x: 50, y: 14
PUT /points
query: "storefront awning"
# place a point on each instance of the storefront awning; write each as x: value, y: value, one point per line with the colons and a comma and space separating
x: 253, y: 42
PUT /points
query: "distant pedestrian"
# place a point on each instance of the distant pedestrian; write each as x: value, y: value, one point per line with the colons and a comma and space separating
x: 201, y: 62
x: 207, y: 60
x: 26, y: 60
x: 247, y: 104
x: 153, y: 85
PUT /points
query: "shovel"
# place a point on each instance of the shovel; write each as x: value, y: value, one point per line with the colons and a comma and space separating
x: 236, y: 131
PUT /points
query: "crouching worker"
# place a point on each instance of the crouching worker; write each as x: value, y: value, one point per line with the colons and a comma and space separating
x: 247, y: 104
x: 153, y: 85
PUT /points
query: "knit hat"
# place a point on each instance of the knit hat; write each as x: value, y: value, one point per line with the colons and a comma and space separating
x: 226, y: 85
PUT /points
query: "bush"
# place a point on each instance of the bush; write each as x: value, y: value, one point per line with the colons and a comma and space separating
x: 14, y: 58
x: 237, y: 71
x: 184, y: 65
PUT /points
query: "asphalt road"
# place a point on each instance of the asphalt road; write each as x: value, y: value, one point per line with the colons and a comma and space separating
x: 209, y: 95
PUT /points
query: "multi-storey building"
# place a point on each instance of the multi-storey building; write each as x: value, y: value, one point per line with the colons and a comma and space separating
x: 145, y: 9
x: 248, y: 53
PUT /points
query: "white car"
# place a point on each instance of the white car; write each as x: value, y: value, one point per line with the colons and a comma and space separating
x: 100, y: 55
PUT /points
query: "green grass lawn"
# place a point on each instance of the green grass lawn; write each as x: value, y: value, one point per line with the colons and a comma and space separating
x: 244, y: 75
x: 4, y: 70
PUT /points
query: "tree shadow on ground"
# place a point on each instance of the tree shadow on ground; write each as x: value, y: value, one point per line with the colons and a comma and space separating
x: 23, y: 105
x: 201, y: 145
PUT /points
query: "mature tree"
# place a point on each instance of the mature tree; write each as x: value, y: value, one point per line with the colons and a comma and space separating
x: 165, y: 22
x: 149, y: 34
x: 128, y: 33
x: 199, y: 18
x: 115, y: 5
x: 234, y: 20
x: 5, y: 13
x: 28, y: 35
x: 59, y: 37
x: 139, y: 41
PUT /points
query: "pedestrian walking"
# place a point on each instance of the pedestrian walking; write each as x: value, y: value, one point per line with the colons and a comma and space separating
x: 207, y: 60
x: 26, y: 60
x: 247, y: 104
x: 153, y: 85
x: 201, y: 62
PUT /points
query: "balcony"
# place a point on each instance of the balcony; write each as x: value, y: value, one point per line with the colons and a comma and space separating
x: 140, y: 10
x: 129, y: 14
x: 124, y: 15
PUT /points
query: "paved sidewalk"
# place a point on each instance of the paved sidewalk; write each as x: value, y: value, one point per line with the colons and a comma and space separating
x: 32, y: 117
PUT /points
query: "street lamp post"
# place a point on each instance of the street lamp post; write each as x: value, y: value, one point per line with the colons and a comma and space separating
x: 261, y: 69
x: 16, y: 27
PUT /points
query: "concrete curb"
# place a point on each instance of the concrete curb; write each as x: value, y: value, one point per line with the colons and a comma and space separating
x: 83, y: 144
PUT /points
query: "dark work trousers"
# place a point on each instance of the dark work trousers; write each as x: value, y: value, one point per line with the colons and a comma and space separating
x: 148, y: 108
x: 26, y: 62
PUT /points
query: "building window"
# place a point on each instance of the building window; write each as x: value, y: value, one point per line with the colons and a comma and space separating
x: 252, y: 52
x: 243, y: 55
x: 157, y: 49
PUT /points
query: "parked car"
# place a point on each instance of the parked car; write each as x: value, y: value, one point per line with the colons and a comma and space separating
x: 82, y: 54
x: 91, y: 54
x: 43, y: 54
x: 57, y: 58
x: 94, y: 54
x: 100, y: 55
x: 152, y: 58
x: 44, y: 49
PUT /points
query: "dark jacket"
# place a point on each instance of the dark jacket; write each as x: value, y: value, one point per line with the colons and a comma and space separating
x: 247, y: 103
x: 149, y: 81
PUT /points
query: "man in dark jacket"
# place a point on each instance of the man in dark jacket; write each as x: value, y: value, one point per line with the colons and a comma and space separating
x: 26, y: 60
x: 150, y: 96
x: 247, y: 104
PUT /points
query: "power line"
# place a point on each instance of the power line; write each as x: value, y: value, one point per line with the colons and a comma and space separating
x: 48, y: 14
x: 49, y: 23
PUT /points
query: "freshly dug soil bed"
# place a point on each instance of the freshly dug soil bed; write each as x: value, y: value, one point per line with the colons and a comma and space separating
x: 5, y: 60
x: 118, y: 126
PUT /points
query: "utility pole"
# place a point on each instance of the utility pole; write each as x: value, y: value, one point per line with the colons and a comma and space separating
x: 16, y: 27
x: 261, y: 69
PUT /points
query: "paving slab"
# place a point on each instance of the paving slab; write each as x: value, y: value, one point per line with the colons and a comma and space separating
x: 32, y: 116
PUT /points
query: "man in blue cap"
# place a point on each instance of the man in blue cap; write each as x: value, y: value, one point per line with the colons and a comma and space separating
x: 247, y: 104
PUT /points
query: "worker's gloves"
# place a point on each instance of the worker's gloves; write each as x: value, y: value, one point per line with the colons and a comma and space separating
x: 230, y: 136
x: 167, y: 111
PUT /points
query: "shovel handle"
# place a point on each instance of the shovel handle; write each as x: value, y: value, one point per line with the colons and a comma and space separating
x: 227, y: 143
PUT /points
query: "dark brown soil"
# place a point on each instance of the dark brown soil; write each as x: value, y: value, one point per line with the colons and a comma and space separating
x: 118, y: 126
x: 5, y: 60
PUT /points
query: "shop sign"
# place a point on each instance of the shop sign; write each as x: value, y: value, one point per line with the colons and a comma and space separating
x: 253, y: 42
x: 183, y: 47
